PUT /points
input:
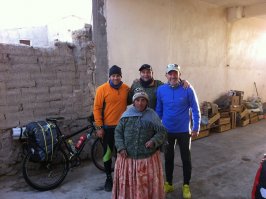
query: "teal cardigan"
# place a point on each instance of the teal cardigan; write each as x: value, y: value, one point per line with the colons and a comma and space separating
x: 135, y: 129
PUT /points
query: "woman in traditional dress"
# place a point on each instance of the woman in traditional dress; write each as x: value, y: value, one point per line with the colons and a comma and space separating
x: 138, y: 137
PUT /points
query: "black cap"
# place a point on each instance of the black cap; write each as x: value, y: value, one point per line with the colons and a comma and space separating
x: 115, y: 70
x: 145, y: 66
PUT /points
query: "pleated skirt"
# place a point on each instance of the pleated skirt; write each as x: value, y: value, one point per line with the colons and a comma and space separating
x: 138, y: 178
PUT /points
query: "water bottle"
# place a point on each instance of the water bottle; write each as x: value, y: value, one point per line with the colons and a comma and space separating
x: 71, y: 144
x: 81, y: 140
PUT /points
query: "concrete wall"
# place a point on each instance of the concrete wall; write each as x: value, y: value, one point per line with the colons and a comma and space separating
x: 100, y: 40
x: 191, y: 33
x: 36, y: 83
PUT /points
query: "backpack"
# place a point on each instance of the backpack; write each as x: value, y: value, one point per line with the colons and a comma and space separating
x: 42, y: 136
x: 259, y: 186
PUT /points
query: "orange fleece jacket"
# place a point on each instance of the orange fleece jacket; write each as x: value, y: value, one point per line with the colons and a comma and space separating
x: 115, y: 104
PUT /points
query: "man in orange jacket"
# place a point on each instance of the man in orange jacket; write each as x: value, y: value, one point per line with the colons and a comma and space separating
x: 109, y: 104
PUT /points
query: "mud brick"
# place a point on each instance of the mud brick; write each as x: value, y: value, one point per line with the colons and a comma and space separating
x: 30, y: 68
x: 47, y: 76
x: 23, y: 59
x: 35, y: 91
x: 47, y: 83
x: 21, y: 84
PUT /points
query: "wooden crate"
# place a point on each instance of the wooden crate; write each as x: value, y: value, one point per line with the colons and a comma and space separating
x: 243, y: 113
x: 244, y: 122
x: 224, y: 114
x: 213, y: 119
x: 202, y: 134
x: 233, y: 120
x: 252, y: 114
x: 234, y: 100
x: 224, y: 120
x: 253, y: 119
x: 203, y: 127
x: 241, y: 96
x: 236, y: 108
x: 222, y: 128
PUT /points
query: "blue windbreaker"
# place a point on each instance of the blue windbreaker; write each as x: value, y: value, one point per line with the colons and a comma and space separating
x: 174, y: 105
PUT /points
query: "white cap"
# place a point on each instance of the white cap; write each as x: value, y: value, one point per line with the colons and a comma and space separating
x: 171, y: 67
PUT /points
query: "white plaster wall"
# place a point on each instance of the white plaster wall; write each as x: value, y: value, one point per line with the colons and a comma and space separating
x: 247, y: 56
x: 191, y: 33
x: 38, y: 35
x: 44, y: 36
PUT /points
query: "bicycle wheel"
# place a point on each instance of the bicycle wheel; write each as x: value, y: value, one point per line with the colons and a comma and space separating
x: 45, y: 175
x: 97, y: 155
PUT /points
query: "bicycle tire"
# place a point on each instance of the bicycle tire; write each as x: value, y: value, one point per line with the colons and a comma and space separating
x: 97, y: 155
x: 45, y: 175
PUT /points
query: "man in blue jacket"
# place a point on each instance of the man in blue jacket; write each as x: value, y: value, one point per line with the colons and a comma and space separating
x: 175, y: 105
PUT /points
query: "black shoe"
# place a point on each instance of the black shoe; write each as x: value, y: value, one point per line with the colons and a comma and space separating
x: 108, y: 184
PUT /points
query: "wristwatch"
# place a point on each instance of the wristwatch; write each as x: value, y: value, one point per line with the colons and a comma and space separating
x: 98, y: 128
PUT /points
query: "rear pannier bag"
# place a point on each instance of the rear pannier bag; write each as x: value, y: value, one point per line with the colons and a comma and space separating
x: 42, y: 136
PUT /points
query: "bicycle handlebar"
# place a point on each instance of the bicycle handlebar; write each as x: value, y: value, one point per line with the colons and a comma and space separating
x: 54, y: 119
x: 90, y: 118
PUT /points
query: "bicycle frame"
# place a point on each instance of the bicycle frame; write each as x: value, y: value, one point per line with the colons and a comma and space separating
x: 59, y: 161
x: 63, y: 138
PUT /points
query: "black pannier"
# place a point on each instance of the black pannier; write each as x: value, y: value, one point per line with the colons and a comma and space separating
x: 42, y: 137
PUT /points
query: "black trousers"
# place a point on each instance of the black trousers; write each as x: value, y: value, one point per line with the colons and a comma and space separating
x: 184, y: 142
x: 108, y: 144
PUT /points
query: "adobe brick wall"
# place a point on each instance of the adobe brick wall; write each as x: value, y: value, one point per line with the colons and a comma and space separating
x: 36, y: 83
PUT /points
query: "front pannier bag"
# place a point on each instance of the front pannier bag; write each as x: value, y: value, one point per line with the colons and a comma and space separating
x: 42, y: 137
